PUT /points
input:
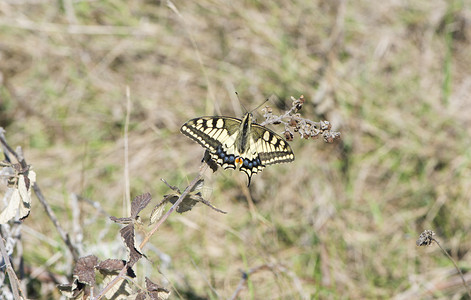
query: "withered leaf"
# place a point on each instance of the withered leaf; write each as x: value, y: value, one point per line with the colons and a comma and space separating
x: 139, y: 203
x: 141, y: 296
x: 114, y: 266
x: 85, y: 269
x: 111, y: 265
x: 187, y: 203
x: 153, y: 291
x: 156, y: 288
x: 127, y: 233
x: 19, y: 198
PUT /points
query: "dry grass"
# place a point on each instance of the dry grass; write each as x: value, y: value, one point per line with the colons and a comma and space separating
x: 339, y: 222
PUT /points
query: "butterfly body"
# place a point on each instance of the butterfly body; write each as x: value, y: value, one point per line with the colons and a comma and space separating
x: 238, y: 144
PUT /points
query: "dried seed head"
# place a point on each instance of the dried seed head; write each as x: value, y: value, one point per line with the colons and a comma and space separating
x: 298, y: 103
x: 325, y: 125
x: 315, y: 134
x: 425, y: 238
x: 288, y: 135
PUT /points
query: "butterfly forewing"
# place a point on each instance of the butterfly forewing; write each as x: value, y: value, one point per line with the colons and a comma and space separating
x: 233, y: 143
x: 210, y: 132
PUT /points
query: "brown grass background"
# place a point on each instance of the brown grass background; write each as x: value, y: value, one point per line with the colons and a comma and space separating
x: 338, y: 223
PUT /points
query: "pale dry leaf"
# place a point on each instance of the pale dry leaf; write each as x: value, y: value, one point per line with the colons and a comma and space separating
x: 24, y: 186
x: 13, y: 204
x: 120, y: 290
x: 20, y: 200
x: 156, y: 214
x: 74, y: 290
x: 134, y: 253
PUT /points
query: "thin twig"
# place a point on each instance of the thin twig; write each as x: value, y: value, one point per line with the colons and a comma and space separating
x: 456, y: 266
x: 63, y: 234
x: 14, y: 282
x: 9, y: 149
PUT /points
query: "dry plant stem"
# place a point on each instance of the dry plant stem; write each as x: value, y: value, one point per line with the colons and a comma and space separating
x: 279, y: 119
x: 456, y: 266
x: 14, y: 282
x: 9, y: 149
x: 65, y: 237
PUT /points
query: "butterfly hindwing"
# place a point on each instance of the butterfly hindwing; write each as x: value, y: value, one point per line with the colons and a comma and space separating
x: 272, y: 148
x: 233, y: 143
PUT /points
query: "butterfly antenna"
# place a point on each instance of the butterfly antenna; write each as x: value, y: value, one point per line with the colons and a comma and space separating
x: 266, y: 100
x: 237, y: 94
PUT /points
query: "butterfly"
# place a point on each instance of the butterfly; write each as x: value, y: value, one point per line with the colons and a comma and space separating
x: 239, y: 144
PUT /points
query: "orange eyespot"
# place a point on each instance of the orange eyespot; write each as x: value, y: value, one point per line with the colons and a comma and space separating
x: 239, y: 160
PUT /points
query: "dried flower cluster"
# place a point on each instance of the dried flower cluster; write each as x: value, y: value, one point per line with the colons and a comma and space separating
x: 295, y: 123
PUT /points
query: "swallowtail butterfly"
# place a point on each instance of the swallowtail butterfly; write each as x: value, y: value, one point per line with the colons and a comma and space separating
x: 234, y: 143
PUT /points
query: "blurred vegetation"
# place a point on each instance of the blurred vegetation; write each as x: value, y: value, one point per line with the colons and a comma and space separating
x: 338, y: 223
